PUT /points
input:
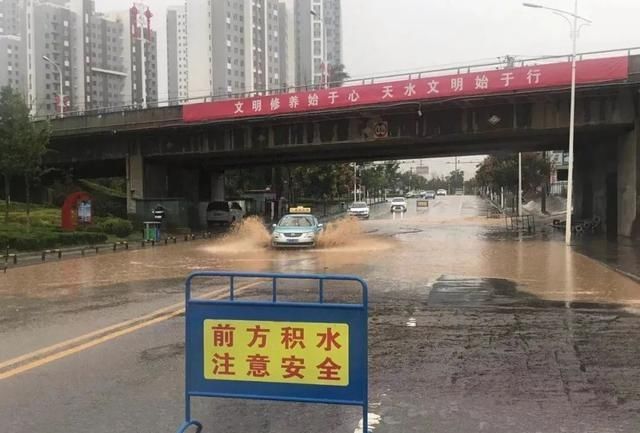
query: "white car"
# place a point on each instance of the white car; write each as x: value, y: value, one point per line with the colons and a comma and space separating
x: 398, y: 204
x: 441, y: 192
x: 295, y: 230
x: 359, y: 209
x: 224, y: 212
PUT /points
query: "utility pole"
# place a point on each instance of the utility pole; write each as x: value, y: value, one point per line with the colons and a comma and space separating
x: 519, y: 184
x: 543, y: 198
x: 355, y: 181
x: 572, y: 18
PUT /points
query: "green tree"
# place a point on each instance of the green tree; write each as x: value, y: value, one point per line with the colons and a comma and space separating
x: 501, y: 170
x: 324, y: 181
x: 456, y: 179
x: 337, y: 75
x: 22, y: 144
x: 381, y: 176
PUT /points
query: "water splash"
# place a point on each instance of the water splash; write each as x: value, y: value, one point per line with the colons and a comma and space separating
x: 249, y: 236
x: 347, y: 235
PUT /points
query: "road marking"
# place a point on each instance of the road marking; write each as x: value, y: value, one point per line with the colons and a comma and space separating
x: 129, y: 326
x: 411, y: 323
x: 374, y: 420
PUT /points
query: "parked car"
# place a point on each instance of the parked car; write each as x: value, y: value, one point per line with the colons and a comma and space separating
x: 429, y: 195
x: 398, y: 204
x: 224, y: 213
x: 296, y: 230
x: 359, y: 209
x: 441, y: 192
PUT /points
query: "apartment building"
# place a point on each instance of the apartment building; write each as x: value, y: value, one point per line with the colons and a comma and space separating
x: 12, y: 52
x: 234, y: 46
x: 177, y: 55
x: 318, y: 39
x: 98, y: 58
x: 108, y: 77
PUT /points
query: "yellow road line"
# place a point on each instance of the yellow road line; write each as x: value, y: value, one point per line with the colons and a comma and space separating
x: 135, y: 324
x: 76, y: 349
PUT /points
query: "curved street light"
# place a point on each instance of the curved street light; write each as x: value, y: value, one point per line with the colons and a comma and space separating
x: 572, y: 18
x: 60, y: 95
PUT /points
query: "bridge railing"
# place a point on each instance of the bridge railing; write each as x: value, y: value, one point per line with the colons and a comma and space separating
x: 135, y: 106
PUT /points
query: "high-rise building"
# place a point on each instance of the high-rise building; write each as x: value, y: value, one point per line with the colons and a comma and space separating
x: 287, y: 45
x: 318, y: 30
x: 51, y: 52
x: 12, y: 62
x: 234, y: 46
x: 200, y: 48
x: 177, y: 76
x: 109, y: 84
x: 264, y: 32
x: 11, y: 12
x: 99, y: 56
x: 142, y: 41
x: 12, y: 52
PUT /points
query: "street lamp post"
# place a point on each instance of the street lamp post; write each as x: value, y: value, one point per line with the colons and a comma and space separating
x: 519, y: 184
x: 573, y: 21
x: 60, y: 95
x: 325, y: 67
x: 355, y: 181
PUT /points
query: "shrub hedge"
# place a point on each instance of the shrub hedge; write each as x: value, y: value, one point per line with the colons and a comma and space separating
x: 43, y: 239
x: 116, y: 226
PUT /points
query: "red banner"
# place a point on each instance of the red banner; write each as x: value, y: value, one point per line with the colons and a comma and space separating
x: 420, y: 89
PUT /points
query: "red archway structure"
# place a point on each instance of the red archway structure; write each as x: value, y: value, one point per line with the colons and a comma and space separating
x: 70, y: 210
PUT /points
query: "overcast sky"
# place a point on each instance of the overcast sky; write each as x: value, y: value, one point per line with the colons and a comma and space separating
x: 382, y: 36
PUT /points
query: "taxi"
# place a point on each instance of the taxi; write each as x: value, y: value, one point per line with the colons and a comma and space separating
x: 296, y: 229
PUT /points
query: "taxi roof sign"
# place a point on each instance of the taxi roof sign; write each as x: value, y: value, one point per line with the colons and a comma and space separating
x: 300, y: 209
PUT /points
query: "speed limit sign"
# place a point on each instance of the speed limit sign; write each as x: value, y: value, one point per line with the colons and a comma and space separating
x: 381, y: 129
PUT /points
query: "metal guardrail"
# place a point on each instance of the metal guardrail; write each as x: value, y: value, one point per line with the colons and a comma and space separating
x: 15, y: 259
x: 138, y: 106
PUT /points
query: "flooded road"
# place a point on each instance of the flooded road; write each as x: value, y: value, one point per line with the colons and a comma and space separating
x: 472, y: 329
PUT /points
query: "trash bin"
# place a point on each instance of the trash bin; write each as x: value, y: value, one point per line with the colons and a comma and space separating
x: 152, y: 231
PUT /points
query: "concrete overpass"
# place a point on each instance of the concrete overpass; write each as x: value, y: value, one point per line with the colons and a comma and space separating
x: 183, y: 150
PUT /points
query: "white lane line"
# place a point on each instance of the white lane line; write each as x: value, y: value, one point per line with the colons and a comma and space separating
x: 411, y: 323
x: 374, y: 420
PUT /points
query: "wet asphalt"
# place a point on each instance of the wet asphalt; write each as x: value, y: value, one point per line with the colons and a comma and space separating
x: 472, y: 329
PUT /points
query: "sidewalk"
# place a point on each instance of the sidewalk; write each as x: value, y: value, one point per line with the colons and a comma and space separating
x: 622, y: 255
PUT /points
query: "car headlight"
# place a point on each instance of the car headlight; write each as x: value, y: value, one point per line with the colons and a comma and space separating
x: 277, y: 235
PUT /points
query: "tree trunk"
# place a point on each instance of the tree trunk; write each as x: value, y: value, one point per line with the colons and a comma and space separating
x: 7, y: 198
x: 27, y: 186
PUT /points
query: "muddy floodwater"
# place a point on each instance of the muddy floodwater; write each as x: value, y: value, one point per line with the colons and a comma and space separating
x: 471, y: 329
x: 420, y: 246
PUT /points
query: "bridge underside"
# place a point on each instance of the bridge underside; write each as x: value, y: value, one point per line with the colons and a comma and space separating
x: 381, y: 149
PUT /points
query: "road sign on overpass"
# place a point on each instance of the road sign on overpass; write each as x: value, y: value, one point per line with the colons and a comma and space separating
x: 488, y: 82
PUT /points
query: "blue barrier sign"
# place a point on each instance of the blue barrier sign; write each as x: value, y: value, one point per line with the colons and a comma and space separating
x: 313, y: 352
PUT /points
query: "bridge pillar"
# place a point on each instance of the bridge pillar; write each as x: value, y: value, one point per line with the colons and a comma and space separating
x: 135, y: 181
x: 217, y: 186
x: 628, y: 184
